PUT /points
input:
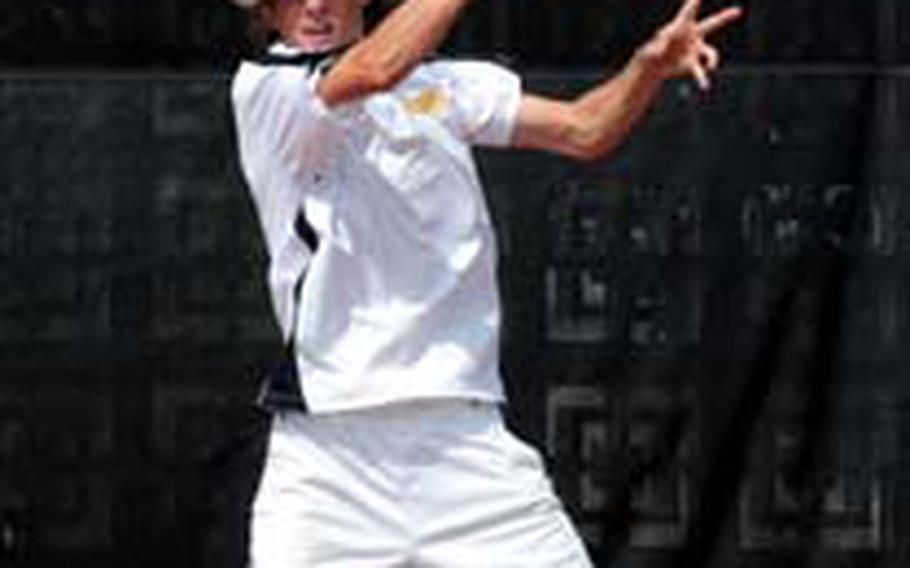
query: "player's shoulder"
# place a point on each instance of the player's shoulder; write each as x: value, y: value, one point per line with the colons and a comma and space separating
x: 249, y: 82
x: 268, y: 77
x: 465, y: 66
x: 282, y: 66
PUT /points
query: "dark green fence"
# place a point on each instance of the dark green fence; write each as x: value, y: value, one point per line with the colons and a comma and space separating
x: 706, y: 332
x: 205, y: 33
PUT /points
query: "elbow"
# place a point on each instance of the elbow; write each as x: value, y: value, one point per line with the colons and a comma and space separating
x: 583, y: 147
x: 562, y: 129
x: 585, y: 153
x: 582, y: 142
x: 595, y: 152
x: 591, y: 146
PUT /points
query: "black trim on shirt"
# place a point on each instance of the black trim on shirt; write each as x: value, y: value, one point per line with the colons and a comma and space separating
x: 316, y: 60
x: 281, y: 388
x: 305, y: 231
x: 322, y: 60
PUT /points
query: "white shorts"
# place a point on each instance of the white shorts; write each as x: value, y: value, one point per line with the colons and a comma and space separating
x: 422, y: 485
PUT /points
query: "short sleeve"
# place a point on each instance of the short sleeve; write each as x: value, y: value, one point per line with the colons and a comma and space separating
x: 278, y: 112
x: 485, y: 98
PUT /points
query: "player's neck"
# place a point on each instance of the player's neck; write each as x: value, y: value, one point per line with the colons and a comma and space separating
x: 321, y: 44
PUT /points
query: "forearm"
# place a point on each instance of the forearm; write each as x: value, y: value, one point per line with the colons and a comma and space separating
x: 605, y: 115
x: 595, y: 123
x: 413, y: 30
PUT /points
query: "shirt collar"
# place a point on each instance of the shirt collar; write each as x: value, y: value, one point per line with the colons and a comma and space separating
x: 281, y: 53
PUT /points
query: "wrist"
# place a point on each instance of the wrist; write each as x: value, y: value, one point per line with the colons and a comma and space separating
x: 648, y: 63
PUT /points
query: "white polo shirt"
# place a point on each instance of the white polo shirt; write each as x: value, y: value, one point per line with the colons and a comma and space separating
x: 397, y: 263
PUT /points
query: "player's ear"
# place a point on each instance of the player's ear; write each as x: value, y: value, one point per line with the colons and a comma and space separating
x: 266, y: 14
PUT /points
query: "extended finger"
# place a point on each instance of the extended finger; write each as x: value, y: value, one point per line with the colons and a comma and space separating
x: 700, y: 75
x: 689, y: 10
x: 719, y: 20
x: 709, y: 56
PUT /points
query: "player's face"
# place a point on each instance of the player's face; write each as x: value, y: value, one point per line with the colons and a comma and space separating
x: 318, y: 25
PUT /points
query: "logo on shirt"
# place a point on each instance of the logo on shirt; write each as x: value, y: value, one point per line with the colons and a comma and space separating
x: 427, y: 101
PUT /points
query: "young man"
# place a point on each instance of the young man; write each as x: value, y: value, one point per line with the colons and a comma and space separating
x: 387, y: 446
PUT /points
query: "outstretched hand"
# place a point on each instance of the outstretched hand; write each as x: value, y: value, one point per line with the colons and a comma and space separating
x: 680, y: 47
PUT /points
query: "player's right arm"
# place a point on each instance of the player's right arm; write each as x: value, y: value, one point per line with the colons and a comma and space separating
x: 386, y: 55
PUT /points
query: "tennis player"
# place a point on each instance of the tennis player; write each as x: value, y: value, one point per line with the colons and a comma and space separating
x: 387, y: 446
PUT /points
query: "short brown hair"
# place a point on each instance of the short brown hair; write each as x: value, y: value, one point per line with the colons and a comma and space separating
x: 260, y: 31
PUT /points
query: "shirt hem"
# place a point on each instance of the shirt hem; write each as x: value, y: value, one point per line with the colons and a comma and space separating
x: 314, y: 408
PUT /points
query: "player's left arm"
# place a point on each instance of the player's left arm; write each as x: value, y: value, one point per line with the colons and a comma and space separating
x: 595, y: 123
